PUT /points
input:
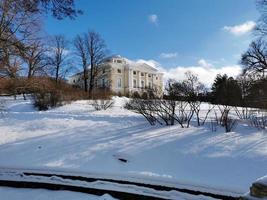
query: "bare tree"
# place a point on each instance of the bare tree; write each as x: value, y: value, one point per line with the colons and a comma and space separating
x: 58, y: 59
x: 10, y: 63
x: 261, y: 27
x: 254, y: 60
x: 81, y: 51
x: 20, y: 23
x: 96, y: 49
x: 36, y: 59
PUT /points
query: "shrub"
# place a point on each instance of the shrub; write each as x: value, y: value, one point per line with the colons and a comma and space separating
x: 230, y: 124
x: 259, y: 122
x: 102, y: 104
x: 44, y: 100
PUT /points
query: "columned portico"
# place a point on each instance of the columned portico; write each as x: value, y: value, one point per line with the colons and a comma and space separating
x: 125, y: 77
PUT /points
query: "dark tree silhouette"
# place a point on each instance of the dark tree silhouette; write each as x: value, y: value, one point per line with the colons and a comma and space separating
x: 226, y: 91
x: 96, y: 49
x: 254, y: 60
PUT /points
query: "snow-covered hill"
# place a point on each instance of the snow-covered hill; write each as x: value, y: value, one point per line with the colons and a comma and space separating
x: 75, y: 137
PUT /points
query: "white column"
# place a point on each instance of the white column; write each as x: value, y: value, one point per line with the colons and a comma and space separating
x: 130, y: 78
x: 152, y: 87
x: 146, y: 79
x: 139, y: 81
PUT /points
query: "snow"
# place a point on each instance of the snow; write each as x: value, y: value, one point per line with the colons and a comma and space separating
x: 41, y: 194
x: 76, y: 138
x: 262, y: 180
x: 18, y: 175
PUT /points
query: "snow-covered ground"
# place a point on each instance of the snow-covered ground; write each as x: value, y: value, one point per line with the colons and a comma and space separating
x: 76, y: 138
x: 40, y: 194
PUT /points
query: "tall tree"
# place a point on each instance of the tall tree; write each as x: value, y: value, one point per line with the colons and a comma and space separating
x: 36, y: 59
x: 96, y: 49
x: 18, y: 25
x: 226, y: 91
x: 254, y: 60
x: 81, y: 51
x: 58, y: 59
x: 20, y: 21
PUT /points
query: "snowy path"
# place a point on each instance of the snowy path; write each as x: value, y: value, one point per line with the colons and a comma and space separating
x: 76, y: 138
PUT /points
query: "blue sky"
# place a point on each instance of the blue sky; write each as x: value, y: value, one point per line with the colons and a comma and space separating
x: 170, y: 32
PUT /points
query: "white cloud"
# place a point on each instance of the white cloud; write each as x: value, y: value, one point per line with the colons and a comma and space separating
x: 151, y: 62
x: 153, y: 18
x: 205, y: 75
x: 205, y: 71
x: 203, y: 63
x: 240, y: 29
x: 168, y: 55
x: 52, y: 50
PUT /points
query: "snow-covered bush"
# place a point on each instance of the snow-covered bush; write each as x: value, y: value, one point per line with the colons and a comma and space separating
x: 102, y: 104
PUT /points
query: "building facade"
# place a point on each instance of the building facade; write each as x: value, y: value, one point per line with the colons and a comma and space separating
x: 124, y: 77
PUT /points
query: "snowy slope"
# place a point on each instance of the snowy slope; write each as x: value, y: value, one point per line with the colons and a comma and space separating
x: 75, y: 137
x: 40, y: 194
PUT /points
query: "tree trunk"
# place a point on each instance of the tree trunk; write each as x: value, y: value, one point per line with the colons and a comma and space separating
x: 85, y: 81
x: 57, y: 73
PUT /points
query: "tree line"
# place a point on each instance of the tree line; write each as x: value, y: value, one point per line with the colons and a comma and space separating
x: 25, y: 52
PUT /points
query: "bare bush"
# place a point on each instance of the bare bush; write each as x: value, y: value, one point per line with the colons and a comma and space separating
x: 259, y: 121
x: 225, y: 120
x: 229, y: 124
x: 161, y: 111
x: 244, y: 112
x: 44, y: 100
x: 184, y: 115
x: 142, y: 107
x: 211, y: 107
x: 213, y: 125
x: 102, y: 104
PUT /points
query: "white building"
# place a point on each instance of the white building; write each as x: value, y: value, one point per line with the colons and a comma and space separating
x: 124, y: 77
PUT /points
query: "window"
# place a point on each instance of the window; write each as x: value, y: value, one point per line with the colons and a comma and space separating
x: 119, y: 71
x: 119, y: 83
x: 119, y: 61
x: 103, y: 82
x: 142, y: 74
x: 150, y: 85
x: 149, y: 75
x: 104, y: 71
x: 156, y: 78
x: 142, y: 84
x: 74, y: 81
x: 134, y: 72
x: 134, y: 83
